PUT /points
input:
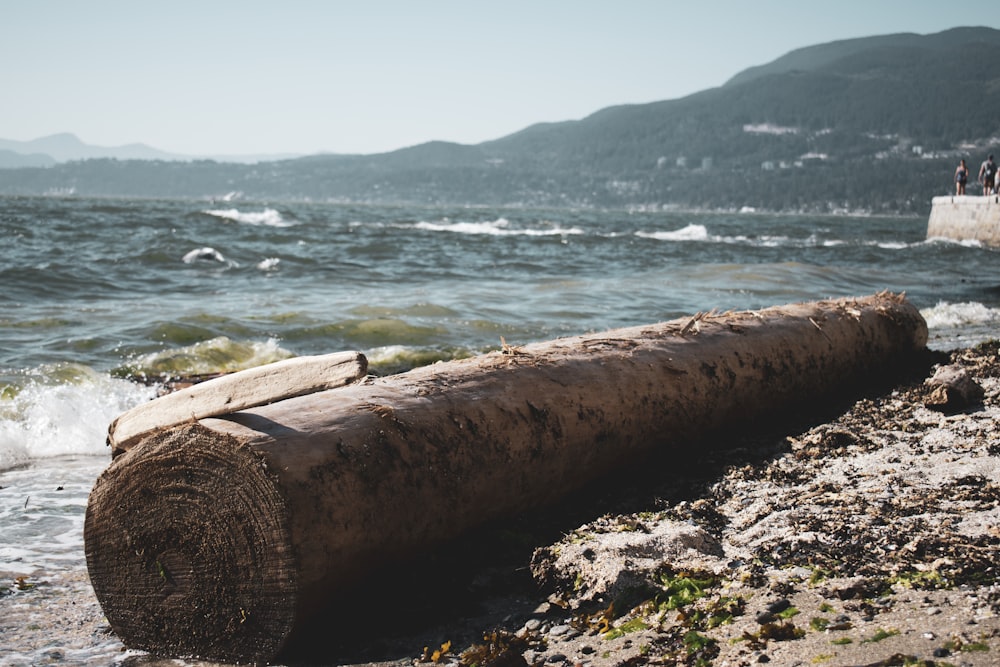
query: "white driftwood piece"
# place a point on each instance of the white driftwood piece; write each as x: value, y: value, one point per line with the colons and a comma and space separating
x: 237, y: 391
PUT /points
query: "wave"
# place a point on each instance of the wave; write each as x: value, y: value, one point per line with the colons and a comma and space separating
x: 422, y: 309
x: 953, y: 315
x: 268, y: 217
x: 391, y: 359
x: 699, y: 233
x: 203, y: 254
x: 689, y: 233
x: 216, y: 355
x: 957, y: 325
x: 967, y: 243
x: 62, y: 410
x: 65, y: 409
x: 498, y: 227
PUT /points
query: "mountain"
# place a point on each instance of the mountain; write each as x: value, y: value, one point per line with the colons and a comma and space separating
x: 817, y: 57
x: 64, y: 147
x: 873, y: 124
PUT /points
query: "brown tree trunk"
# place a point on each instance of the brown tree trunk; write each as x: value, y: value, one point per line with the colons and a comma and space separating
x: 218, y: 538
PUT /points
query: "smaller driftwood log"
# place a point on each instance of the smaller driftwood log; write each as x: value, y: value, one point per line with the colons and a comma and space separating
x: 219, y: 537
x: 234, y: 392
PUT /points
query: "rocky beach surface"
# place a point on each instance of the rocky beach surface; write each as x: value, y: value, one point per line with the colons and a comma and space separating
x: 868, y: 537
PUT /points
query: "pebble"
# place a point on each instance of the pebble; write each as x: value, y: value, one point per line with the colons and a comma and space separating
x: 532, y: 625
x: 779, y: 606
x: 559, y: 630
x: 774, y: 608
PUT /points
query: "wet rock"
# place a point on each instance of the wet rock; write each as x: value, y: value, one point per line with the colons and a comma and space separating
x: 559, y: 630
x: 621, y: 560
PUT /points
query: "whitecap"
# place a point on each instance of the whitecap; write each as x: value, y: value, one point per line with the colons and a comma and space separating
x: 769, y: 241
x: 968, y: 243
x: 498, y: 227
x: 690, y: 233
x: 208, y: 254
x: 269, y: 264
x: 268, y: 217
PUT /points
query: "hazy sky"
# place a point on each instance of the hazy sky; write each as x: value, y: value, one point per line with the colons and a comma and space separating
x: 307, y: 76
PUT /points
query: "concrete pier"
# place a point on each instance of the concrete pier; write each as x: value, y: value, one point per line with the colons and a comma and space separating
x: 964, y: 218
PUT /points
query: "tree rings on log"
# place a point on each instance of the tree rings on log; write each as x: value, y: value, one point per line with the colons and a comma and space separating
x: 188, y: 549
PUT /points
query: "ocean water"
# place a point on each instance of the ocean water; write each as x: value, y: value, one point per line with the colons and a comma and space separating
x: 97, y: 293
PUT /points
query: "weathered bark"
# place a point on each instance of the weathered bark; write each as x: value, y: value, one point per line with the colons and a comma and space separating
x: 220, y: 538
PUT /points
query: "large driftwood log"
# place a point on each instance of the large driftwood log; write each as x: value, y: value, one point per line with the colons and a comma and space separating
x: 220, y: 538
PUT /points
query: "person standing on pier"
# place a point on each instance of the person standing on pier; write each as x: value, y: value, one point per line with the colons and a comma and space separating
x: 987, y: 174
x: 961, y: 177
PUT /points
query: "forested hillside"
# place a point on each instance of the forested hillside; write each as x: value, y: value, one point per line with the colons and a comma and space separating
x: 875, y: 124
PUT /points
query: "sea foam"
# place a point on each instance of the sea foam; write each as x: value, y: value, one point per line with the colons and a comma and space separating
x: 62, y: 412
x: 952, y: 315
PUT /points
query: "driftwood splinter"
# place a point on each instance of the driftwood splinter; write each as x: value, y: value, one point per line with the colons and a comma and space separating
x: 219, y: 537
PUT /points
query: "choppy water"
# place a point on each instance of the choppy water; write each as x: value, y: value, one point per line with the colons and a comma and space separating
x: 94, y: 291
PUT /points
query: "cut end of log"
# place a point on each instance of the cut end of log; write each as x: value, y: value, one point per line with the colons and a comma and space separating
x: 188, y: 550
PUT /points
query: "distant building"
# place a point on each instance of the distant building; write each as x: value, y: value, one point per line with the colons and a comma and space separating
x: 769, y: 128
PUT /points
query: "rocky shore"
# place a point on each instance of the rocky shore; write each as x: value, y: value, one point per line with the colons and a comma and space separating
x: 872, y: 538
x: 869, y: 540
x: 868, y: 537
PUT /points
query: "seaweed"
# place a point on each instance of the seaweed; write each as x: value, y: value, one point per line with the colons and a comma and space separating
x: 501, y: 648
